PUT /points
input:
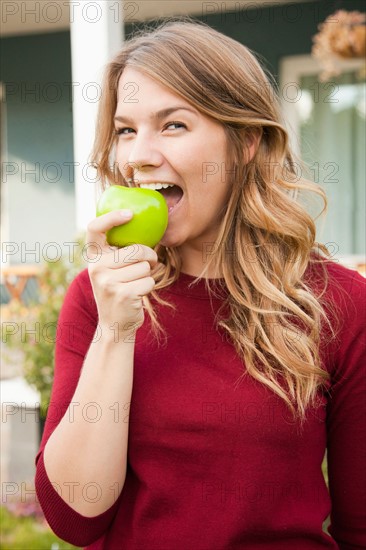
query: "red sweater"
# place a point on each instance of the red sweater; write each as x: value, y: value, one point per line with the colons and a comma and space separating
x: 213, y: 465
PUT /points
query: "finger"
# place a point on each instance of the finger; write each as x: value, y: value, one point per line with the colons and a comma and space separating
x: 132, y: 254
x: 98, y: 227
x: 115, y: 259
x: 132, y: 272
x: 140, y: 288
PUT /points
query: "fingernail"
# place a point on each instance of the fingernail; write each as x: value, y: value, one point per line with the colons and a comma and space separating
x: 126, y: 213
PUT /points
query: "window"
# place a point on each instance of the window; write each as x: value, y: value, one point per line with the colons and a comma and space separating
x: 326, y: 122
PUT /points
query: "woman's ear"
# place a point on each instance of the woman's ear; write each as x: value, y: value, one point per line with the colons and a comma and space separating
x: 252, y: 141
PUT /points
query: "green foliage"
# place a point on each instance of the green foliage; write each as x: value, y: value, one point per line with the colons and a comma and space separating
x: 37, y: 323
x: 20, y: 533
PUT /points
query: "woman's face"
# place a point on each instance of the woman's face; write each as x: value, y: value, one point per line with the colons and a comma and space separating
x: 179, y: 146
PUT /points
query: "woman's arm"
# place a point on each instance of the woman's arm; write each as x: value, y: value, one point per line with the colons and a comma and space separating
x: 76, y: 327
x: 81, y: 465
x: 347, y: 423
x: 88, y: 451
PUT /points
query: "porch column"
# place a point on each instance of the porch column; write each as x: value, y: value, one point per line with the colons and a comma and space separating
x: 97, y: 32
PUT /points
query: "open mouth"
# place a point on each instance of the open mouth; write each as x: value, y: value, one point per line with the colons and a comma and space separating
x: 172, y: 196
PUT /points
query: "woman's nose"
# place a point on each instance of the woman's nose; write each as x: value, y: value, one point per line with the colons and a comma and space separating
x: 143, y: 155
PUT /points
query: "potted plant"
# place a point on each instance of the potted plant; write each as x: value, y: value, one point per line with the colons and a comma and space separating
x: 341, y: 36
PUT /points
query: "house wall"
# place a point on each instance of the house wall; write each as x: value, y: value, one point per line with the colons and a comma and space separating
x: 39, y: 197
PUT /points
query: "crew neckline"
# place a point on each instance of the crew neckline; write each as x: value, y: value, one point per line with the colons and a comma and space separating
x: 183, y: 285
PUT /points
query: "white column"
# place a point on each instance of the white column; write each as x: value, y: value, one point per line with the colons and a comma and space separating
x: 4, y: 219
x: 97, y: 33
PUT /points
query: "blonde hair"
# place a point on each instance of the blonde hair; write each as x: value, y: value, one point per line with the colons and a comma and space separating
x: 275, y: 319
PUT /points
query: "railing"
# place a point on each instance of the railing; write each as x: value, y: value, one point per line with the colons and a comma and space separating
x: 15, y: 279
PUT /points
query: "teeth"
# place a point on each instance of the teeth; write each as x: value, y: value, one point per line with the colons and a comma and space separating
x: 155, y: 185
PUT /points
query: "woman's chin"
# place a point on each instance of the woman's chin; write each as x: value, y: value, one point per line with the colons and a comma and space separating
x: 169, y: 240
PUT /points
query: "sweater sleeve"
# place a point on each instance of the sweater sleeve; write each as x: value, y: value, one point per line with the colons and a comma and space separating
x: 346, y: 419
x: 76, y: 327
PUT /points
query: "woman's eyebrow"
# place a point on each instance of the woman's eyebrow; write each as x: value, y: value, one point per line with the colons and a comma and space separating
x: 159, y: 115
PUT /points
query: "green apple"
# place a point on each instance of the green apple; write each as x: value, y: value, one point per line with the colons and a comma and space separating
x: 150, y: 215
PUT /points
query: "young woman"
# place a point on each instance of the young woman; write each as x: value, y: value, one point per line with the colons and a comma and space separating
x: 198, y: 385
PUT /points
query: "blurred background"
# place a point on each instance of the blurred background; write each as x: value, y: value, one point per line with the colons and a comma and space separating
x: 52, y: 59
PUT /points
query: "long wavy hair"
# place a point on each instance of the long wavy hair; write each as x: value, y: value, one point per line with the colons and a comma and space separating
x: 275, y: 316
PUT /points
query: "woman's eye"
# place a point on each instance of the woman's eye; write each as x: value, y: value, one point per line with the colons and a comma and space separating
x: 120, y: 131
x: 179, y: 124
x: 125, y: 131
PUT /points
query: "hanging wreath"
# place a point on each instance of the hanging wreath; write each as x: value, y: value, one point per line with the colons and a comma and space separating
x: 341, y: 36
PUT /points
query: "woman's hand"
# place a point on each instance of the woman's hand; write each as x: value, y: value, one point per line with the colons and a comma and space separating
x: 119, y: 276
